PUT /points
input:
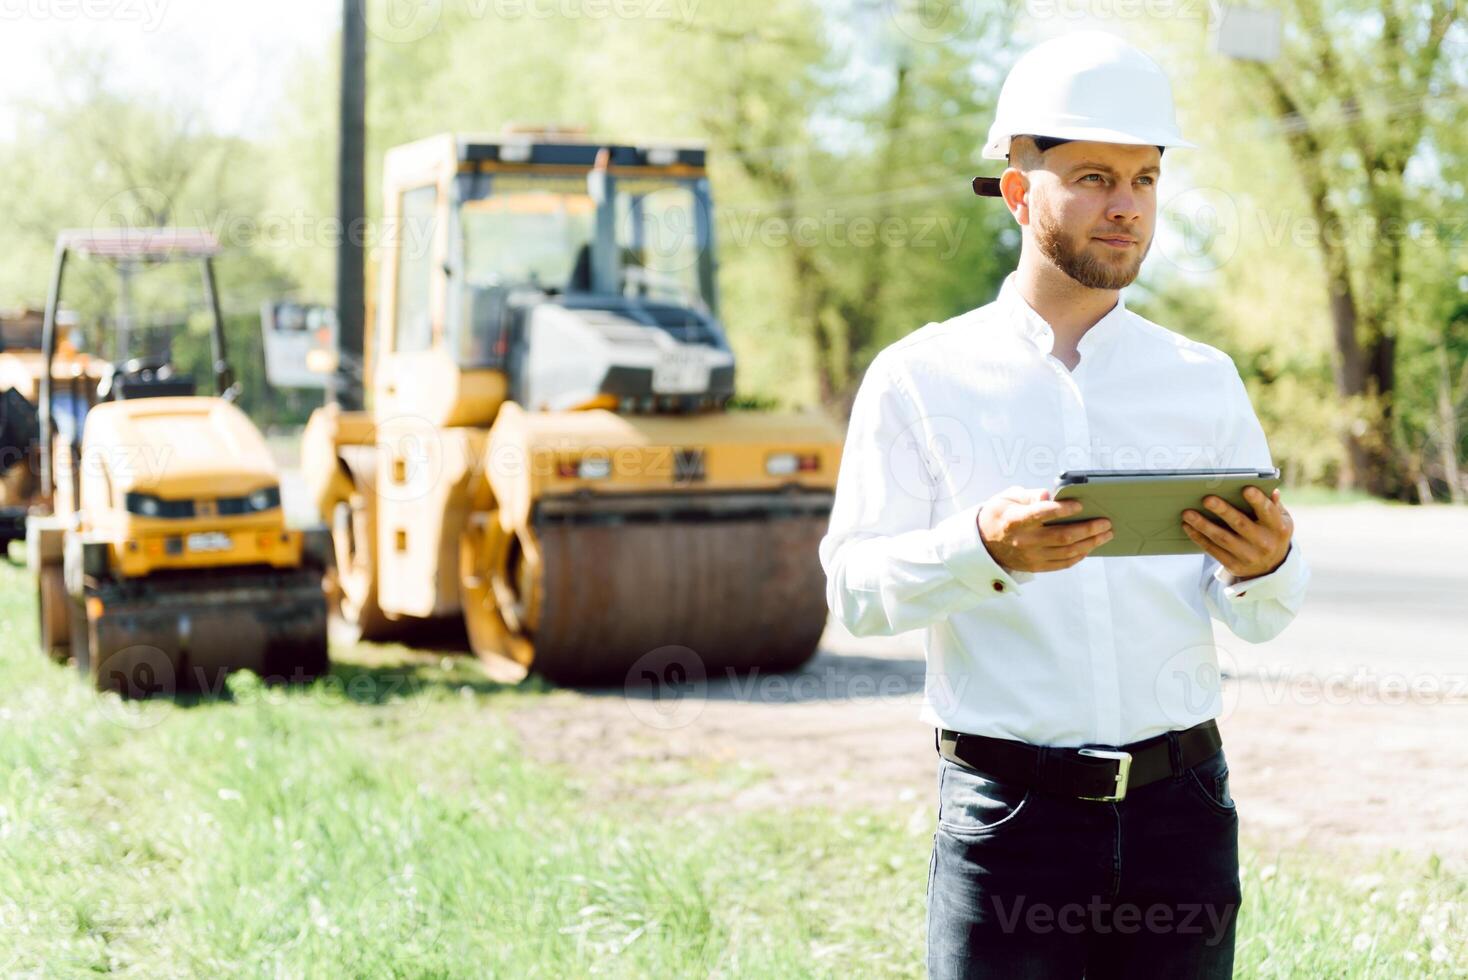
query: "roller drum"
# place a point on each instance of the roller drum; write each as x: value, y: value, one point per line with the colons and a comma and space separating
x: 741, y: 594
x: 159, y: 636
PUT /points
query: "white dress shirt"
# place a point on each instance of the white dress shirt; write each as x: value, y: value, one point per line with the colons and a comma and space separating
x: 1106, y: 652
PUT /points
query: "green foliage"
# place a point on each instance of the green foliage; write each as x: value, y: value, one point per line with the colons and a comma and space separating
x: 842, y: 140
x: 1336, y: 177
x: 831, y: 246
x: 94, y: 158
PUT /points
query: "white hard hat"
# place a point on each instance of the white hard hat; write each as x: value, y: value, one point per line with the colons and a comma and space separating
x: 1087, y: 85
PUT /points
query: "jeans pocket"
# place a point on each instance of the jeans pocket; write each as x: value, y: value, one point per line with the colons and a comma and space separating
x: 970, y: 804
x: 1209, y: 780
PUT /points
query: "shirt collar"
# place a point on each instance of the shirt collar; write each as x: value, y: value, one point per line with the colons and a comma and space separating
x: 1018, y: 315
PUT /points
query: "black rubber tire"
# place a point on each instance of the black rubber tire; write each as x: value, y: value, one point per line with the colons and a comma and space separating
x: 81, y: 648
x: 298, y: 663
x: 54, y: 613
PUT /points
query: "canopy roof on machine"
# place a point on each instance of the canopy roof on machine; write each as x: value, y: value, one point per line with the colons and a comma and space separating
x: 140, y: 243
x: 558, y: 150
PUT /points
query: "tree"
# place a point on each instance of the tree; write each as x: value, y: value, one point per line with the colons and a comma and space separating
x: 1353, y: 94
x: 843, y: 151
x: 92, y: 156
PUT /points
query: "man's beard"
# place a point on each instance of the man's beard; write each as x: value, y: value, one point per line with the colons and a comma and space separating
x: 1081, y: 266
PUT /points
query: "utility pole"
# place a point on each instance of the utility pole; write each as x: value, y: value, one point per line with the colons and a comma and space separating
x: 346, y: 387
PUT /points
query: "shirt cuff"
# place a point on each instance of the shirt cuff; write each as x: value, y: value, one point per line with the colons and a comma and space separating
x: 1282, y: 581
x: 961, y: 549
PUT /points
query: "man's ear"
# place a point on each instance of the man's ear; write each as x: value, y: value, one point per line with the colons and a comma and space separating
x: 1015, y: 187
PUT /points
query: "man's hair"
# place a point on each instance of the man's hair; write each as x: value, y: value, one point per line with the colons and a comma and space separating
x: 1025, y: 151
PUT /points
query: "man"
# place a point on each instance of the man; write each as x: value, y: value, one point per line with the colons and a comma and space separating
x: 1048, y: 861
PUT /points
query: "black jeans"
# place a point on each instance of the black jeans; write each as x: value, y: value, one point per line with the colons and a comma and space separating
x: 1027, y: 885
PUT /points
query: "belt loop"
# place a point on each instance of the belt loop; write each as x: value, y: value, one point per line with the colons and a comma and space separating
x: 1175, y: 754
x: 1043, y: 754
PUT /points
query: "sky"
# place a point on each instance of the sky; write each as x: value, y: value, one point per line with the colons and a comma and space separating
x: 227, y: 56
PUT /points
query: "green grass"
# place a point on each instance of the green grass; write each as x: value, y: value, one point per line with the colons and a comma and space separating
x: 386, y: 823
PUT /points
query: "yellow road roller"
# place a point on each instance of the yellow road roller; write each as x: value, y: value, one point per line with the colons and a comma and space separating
x: 165, y: 560
x: 549, y: 450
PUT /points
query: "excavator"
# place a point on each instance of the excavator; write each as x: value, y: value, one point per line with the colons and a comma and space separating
x: 164, y: 560
x: 550, y: 451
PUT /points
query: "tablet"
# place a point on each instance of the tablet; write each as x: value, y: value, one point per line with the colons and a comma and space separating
x: 1146, y: 506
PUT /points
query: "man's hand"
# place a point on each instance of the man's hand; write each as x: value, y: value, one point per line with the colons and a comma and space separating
x: 1010, y: 525
x: 1253, y: 547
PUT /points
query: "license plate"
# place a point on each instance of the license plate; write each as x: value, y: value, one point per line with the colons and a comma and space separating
x: 209, y: 541
x: 682, y: 372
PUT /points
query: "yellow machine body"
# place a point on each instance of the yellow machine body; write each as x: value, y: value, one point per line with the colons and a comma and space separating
x: 572, y: 539
x: 165, y: 560
x: 197, y: 451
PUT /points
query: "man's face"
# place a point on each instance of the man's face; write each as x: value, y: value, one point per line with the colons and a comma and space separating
x: 1093, y: 208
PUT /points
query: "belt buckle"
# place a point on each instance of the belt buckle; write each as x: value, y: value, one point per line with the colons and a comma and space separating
x: 1123, y: 770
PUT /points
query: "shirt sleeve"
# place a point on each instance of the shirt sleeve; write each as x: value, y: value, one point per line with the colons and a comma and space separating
x: 1259, y: 608
x: 889, y: 567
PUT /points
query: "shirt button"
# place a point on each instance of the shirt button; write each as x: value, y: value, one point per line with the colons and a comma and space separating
x: 998, y: 586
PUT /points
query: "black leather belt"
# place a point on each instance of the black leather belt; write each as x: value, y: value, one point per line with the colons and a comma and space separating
x: 1087, y: 773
